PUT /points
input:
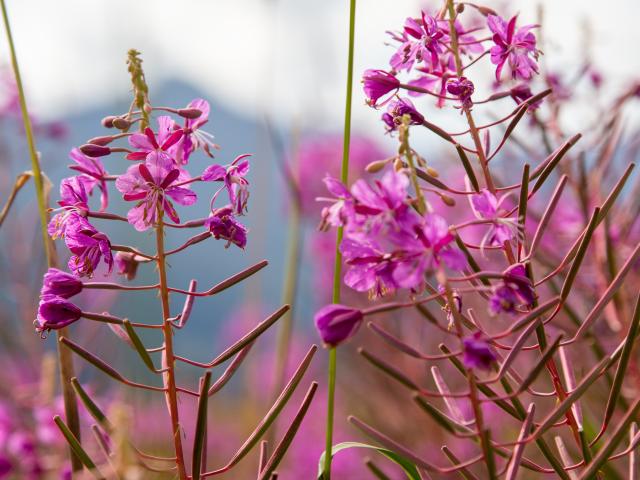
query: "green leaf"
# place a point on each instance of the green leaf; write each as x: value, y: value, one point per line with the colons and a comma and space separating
x: 409, y: 468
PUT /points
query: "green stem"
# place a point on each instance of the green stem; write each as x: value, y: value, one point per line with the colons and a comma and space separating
x: 64, y: 355
x: 337, y: 272
x: 169, y: 359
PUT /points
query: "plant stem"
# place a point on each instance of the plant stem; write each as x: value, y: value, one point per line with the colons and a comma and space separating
x: 337, y: 272
x: 168, y: 357
x: 64, y: 355
x: 473, y: 130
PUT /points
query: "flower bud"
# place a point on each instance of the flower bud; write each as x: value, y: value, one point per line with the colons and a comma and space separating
x: 337, y: 323
x: 460, y: 8
x: 61, y: 284
x: 397, y: 164
x: 447, y: 200
x: 55, y: 313
x: 107, y: 122
x: 92, y: 150
x: 377, y: 84
x: 102, y: 141
x: 477, y: 353
x: 433, y: 172
x: 190, y: 113
x: 377, y: 165
x: 121, y: 124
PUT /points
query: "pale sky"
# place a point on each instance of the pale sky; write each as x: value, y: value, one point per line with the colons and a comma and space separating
x: 287, y: 56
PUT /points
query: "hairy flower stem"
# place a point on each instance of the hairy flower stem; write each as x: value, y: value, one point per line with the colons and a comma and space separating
x: 337, y: 272
x: 473, y: 130
x: 168, y: 357
x: 64, y: 354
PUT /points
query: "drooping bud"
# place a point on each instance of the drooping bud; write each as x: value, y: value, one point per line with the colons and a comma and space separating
x: 93, y: 150
x: 377, y: 84
x: 447, y: 200
x: 107, y: 122
x: 121, y: 123
x: 60, y: 284
x: 102, y: 141
x: 337, y: 323
x: 190, y: 113
x: 377, y: 165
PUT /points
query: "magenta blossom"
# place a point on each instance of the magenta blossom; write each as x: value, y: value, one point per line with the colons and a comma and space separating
x: 428, y: 249
x: 477, y: 352
x: 369, y: 268
x: 194, y: 137
x: 339, y: 213
x: 152, y: 184
x: 397, y: 109
x: 235, y: 183
x: 223, y: 225
x: 73, y: 193
x: 486, y: 206
x: 337, y: 323
x: 517, y: 48
x: 516, y: 289
x: 87, y: 245
x: 421, y: 41
x: 93, y: 175
x: 55, y: 313
x: 377, y: 84
x: 463, y: 89
x: 60, y: 284
x: 127, y: 264
x: 150, y: 144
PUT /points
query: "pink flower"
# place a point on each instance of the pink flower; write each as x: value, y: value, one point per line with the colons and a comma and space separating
x: 223, y: 225
x: 88, y: 246
x: 486, y: 206
x: 235, y: 183
x: 397, y: 109
x: 194, y: 137
x: 421, y: 41
x: 153, y: 183
x: 377, y: 84
x: 463, y: 89
x: 93, y: 174
x: 149, y: 144
x: 515, y: 47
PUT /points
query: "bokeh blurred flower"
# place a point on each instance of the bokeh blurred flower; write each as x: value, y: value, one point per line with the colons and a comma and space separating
x: 477, y: 353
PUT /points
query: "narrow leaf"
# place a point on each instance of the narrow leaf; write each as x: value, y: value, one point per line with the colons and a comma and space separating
x: 463, y: 471
x: 139, y: 346
x: 468, y: 168
x: 582, y: 250
x: 201, y: 427
x: 77, y: 448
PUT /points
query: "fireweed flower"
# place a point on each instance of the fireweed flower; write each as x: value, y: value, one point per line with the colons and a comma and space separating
x: 149, y: 144
x: 517, y: 48
x: 377, y: 84
x: 397, y: 109
x: 127, y: 264
x: 339, y: 213
x: 54, y: 313
x: 73, y: 193
x: 463, y: 89
x: 60, y: 284
x: 368, y: 268
x: 223, y: 225
x: 193, y: 136
x: 93, y: 174
x: 235, y: 183
x: 87, y: 245
x: 515, y: 289
x: 429, y: 248
x: 486, y: 206
x: 337, y: 323
x: 152, y: 183
x: 477, y: 352
x: 421, y: 41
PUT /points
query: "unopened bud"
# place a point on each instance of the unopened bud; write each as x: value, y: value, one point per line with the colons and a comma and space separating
x: 460, y: 8
x: 397, y: 164
x: 120, y: 123
x: 447, y: 200
x: 190, y: 113
x: 101, y: 140
x: 433, y: 172
x: 91, y: 150
x: 107, y: 122
x: 486, y: 11
x: 377, y: 165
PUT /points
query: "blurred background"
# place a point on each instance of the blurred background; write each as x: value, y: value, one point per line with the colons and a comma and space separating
x: 274, y: 73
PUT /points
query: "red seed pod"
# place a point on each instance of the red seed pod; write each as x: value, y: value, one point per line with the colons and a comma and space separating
x: 190, y: 113
x: 92, y: 150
